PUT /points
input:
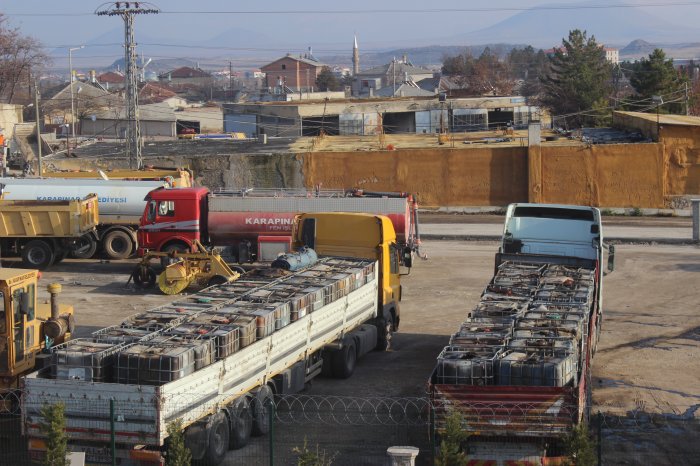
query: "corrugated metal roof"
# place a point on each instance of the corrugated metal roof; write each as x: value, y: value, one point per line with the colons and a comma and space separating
x: 151, y: 112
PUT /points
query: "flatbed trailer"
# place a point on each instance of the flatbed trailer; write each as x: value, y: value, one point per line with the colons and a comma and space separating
x: 144, y: 411
x: 522, y: 358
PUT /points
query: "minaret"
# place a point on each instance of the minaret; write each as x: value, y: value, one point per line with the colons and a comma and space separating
x: 355, y: 58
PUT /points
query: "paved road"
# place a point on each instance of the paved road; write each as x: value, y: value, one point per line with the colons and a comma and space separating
x: 671, y: 234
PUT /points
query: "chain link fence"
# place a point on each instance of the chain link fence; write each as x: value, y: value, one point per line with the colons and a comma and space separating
x: 353, y: 431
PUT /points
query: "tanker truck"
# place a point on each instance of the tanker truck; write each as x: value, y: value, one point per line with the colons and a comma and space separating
x: 256, y: 225
x: 121, y: 203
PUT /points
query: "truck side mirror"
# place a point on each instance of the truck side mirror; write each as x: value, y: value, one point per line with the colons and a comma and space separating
x: 24, y: 303
x: 611, y: 258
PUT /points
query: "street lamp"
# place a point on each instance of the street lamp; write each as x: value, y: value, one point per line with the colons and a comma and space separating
x: 72, y: 105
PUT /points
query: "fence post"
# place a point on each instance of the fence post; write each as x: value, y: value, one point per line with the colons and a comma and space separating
x: 272, y: 431
x: 112, y: 442
x: 696, y: 219
x: 600, y: 438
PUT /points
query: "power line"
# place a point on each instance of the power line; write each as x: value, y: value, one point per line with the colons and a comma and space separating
x: 397, y: 11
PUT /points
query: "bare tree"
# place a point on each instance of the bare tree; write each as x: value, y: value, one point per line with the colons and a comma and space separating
x: 19, y: 54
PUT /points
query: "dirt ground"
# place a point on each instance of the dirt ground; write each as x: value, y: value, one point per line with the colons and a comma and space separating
x: 647, y: 360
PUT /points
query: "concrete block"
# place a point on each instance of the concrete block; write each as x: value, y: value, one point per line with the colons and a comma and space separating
x: 402, y: 456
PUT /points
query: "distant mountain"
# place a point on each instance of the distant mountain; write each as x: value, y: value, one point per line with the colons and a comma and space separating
x: 546, y: 25
x: 636, y: 49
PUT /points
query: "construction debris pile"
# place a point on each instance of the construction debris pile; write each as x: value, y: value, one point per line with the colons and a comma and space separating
x: 529, y: 328
x: 175, y: 340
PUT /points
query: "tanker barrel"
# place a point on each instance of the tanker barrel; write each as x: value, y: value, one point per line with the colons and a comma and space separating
x: 294, y: 261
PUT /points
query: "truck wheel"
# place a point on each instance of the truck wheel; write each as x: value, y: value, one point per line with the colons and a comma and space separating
x: 241, y: 423
x: 85, y: 247
x: 117, y: 244
x: 344, y: 361
x: 218, y: 440
x: 384, y: 328
x: 38, y: 254
x: 261, y: 411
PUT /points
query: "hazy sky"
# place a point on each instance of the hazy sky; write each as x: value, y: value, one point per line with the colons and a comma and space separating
x: 71, y: 22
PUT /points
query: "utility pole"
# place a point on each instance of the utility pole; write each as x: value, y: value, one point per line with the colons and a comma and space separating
x: 127, y: 10
x: 72, y: 105
x: 38, y: 128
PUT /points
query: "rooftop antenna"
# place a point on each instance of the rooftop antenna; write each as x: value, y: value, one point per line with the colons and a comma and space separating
x: 127, y: 11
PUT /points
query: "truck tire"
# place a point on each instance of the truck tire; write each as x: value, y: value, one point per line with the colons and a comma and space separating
x: 85, y: 247
x: 38, y: 254
x: 241, y: 419
x: 261, y: 411
x: 344, y: 361
x: 117, y: 244
x: 218, y: 439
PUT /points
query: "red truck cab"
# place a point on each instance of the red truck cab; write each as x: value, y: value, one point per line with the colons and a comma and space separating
x: 173, y: 219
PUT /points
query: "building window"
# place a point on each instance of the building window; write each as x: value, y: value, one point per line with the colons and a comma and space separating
x: 284, y: 67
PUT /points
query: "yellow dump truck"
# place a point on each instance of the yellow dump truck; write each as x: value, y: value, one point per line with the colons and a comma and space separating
x: 44, y: 232
x: 26, y: 325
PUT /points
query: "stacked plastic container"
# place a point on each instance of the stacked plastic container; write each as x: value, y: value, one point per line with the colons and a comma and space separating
x: 529, y: 328
x: 173, y: 341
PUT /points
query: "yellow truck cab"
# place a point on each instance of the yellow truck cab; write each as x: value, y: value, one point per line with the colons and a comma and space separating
x: 26, y: 325
x: 363, y: 236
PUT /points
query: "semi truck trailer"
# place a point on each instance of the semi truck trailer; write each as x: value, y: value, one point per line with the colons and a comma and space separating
x: 121, y: 206
x: 45, y: 232
x: 518, y: 370
x: 257, y: 224
x: 215, y: 359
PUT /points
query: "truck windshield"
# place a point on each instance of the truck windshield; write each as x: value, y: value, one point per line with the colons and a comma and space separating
x: 554, y: 212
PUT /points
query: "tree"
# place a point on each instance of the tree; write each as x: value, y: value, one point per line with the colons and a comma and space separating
x: 580, y: 447
x: 527, y: 66
x: 656, y: 75
x: 484, y: 75
x: 53, y: 427
x: 19, y: 55
x: 450, y: 453
x: 177, y: 453
x: 327, y: 81
x: 578, y: 76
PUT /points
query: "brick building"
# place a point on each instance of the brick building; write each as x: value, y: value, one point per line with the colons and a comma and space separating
x: 296, y: 73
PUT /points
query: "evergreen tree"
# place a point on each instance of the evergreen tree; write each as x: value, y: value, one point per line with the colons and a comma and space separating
x: 327, y: 81
x: 655, y: 75
x: 580, y: 447
x: 578, y: 77
x: 53, y: 427
x: 177, y: 453
x: 450, y: 453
